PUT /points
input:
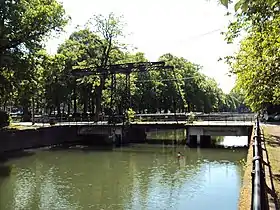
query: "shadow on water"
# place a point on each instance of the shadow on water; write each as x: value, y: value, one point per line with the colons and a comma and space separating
x: 5, y: 169
x: 78, y: 146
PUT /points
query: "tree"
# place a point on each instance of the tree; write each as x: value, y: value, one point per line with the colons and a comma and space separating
x: 82, y: 50
x: 257, y: 66
x: 245, y: 4
x: 109, y: 29
x: 24, y: 25
x: 257, y: 62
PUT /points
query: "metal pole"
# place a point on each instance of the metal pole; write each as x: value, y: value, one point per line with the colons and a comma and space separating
x: 129, y: 93
x: 33, y: 120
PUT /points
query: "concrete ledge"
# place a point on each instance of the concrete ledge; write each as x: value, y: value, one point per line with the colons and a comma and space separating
x: 245, y: 196
x: 12, y: 140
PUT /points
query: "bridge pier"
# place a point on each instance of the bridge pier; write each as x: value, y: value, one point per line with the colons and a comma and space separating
x: 199, y: 140
x: 201, y: 135
x: 197, y: 135
x: 135, y: 135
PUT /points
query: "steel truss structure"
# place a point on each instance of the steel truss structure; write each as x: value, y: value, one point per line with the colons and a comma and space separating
x: 127, y: 69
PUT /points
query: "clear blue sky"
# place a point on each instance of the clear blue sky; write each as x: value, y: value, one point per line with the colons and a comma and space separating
x: 187, y: 28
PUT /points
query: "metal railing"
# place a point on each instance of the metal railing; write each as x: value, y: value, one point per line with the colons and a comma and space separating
x: 259, y: 201
x: 245, y: 117
x: 163, y: 117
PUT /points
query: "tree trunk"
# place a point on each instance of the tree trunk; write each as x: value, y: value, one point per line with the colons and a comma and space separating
x: 99, y: 91
x: 75, y: 99
x: 93, y: 103
x: 85, y: 93
x: 68, y: 108
x: 5, y: 104
x: 100, y: 88
x: 63, y: 109
x: 189, y: 106
x: 58, y: 108
x: 26, y: 116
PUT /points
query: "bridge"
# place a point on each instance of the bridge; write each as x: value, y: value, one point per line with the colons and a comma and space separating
x: 199, y: 126
x: 228, y: 117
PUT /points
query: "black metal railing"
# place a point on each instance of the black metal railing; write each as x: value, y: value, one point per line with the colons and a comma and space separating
x: 225, y: 117
x: 245, y: 117
x: 259, y: 201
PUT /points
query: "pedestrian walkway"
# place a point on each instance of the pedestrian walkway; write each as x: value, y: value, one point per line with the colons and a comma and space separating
x: 272, y: 158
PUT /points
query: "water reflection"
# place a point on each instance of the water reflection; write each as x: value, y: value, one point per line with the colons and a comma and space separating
x: 180, y: 136
x: 233, y: 140
x: 127, y: 178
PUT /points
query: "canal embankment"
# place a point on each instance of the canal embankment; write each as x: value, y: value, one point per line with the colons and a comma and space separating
x: 12, y: 139
x: 271, y: 166
x: 246, y: 189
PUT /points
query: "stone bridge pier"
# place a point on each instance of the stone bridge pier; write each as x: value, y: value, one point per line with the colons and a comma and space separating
x: 110, y: 135
x: 201, y: 135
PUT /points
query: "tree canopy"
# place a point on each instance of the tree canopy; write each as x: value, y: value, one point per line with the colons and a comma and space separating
x: 24, y: 26
x: 28, y: 73
x: 256, y: 64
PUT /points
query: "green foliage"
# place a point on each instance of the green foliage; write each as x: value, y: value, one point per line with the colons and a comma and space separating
x: 245, y: 4
x: 48, y: 79
x: 191, y: 117
x: 257, y: 62
x: 24, y: 25
x: 130, y: 115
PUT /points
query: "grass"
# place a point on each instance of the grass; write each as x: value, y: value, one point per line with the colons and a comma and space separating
x: 272, y: 137
x: 18, y: 127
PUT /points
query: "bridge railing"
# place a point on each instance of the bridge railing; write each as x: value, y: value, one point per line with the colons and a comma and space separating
x: 246, y: 117
x: 162, y: 117
x: 259, y: 201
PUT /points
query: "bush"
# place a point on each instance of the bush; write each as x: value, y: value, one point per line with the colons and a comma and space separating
x: 191, y: 117
x: 130, y: 115
x: 4, y: 119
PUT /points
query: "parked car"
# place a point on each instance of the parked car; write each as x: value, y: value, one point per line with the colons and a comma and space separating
x: 276, y: 117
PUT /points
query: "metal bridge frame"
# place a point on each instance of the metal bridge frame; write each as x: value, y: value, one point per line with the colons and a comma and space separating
x: 126, y: 69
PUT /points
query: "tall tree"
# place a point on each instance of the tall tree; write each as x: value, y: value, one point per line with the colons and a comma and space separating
x: 24, y: 25
x: 245, y: 4
x: 257, y: 62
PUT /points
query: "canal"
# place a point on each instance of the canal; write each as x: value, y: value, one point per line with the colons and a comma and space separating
x: 136, y: 177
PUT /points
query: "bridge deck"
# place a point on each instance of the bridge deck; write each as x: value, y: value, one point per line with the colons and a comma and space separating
x: 156, y: 123
x: 198, y: 123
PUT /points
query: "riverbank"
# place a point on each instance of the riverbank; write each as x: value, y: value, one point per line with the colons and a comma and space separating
x: 15, y: 139
x: 271, y: 156
x: 246, y: 189
x: 272, y: 139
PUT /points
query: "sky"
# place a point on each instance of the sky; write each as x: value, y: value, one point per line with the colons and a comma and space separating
x: 184, y: 28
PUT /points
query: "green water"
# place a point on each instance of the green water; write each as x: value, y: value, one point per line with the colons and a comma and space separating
x: 138, y: 177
